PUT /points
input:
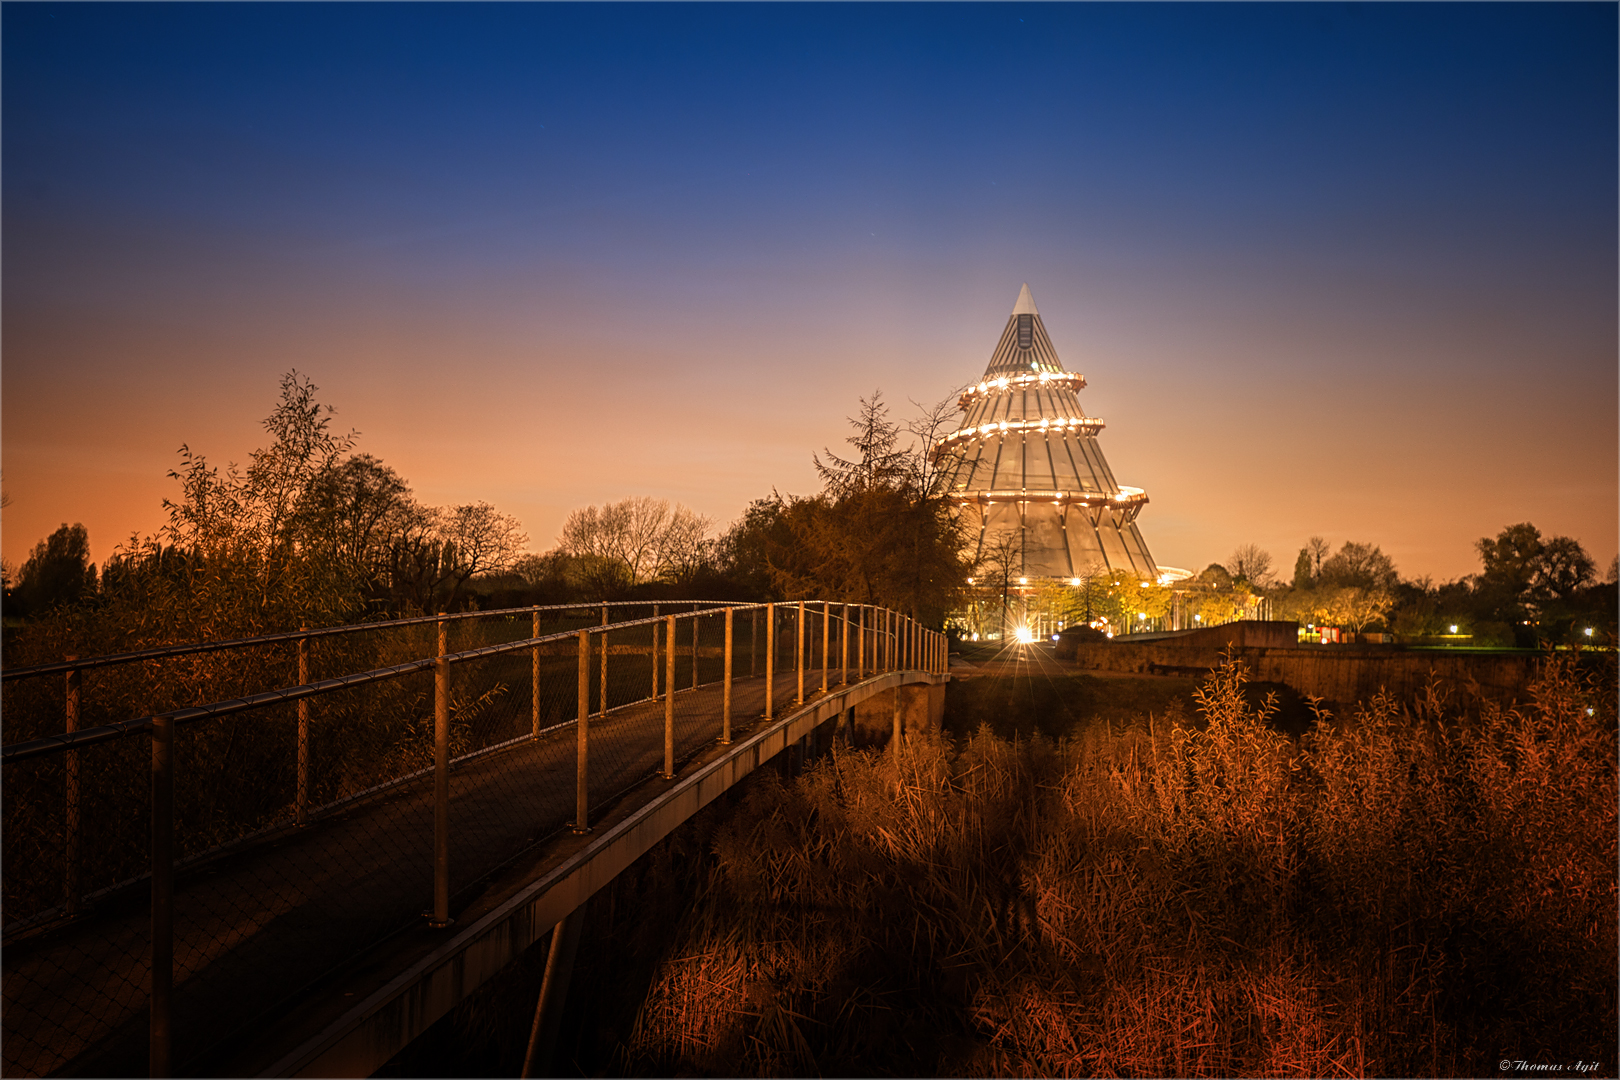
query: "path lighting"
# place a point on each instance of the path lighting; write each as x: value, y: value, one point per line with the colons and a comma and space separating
x: 1454, y: 628
x: 1141, y: 614
x: 1023, y: 581
x: 970, y: 581
x: 1075, y: 582
x: 1024, y: 635
x: 975, y: 637
x: 1588, y: 631
x: 1055, y: 637
x: 1198, y: 618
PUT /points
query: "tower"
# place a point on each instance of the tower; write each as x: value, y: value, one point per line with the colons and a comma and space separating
x: 1027, y: 471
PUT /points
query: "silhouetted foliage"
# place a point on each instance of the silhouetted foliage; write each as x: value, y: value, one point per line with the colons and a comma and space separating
x: 58, y: 573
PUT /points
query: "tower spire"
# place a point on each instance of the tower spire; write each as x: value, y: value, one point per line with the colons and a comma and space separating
x: 1027, y: 471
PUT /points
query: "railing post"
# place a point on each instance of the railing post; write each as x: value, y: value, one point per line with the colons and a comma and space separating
x: 888, y: 640
x: 602, y: 697
x: 860, y: 641
x: 770, y: 657
x: 441, y: 781
x: 843, y: 645
x: 582, y: 734
x: 669, y: 703
x: 302, y: 809
x: 725, y: 696
x: 534, y: 679
x: 694, y: 647
x: 159, y: 1059
x: 826, y: 638
x: 799, y: 654
x: 70, y: 765
x: 655, y: 626
x: 753, y: 643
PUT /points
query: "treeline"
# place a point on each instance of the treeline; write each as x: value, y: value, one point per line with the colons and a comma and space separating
x: 1530, y: 590
x: 312, y: 533
x: 308, y: 533
x: 879, y: 532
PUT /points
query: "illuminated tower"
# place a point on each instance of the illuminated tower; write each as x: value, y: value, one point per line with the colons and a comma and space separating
x: 1026, y: 468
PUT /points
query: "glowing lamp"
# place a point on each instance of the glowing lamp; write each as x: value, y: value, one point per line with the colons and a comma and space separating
x: 1024, y: 635
x: 1453, y: 628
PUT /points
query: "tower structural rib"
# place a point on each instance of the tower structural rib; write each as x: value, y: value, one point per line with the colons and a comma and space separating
x: 1027, y: 471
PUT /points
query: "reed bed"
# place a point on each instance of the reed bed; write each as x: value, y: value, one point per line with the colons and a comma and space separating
x: 1396, y: 892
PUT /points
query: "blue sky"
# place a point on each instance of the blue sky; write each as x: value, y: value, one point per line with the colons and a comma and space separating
x: 1346, y: 270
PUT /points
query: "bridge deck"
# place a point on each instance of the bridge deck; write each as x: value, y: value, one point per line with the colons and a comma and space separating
x: 260, y: 929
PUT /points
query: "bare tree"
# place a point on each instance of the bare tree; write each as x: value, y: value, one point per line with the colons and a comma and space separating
x: 644, y: 534
x: 932, y: 462
x: 477, y: 539
x: 1251, y: 564
x: 1317, y: 548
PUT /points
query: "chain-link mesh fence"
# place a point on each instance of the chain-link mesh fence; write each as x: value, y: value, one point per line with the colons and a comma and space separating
x: 304, y: 827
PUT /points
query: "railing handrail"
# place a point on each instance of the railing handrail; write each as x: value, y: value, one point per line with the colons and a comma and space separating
x: 189, y: 648
x: 51, y: 744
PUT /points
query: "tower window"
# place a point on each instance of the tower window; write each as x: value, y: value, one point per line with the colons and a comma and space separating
x: 1026, y: 331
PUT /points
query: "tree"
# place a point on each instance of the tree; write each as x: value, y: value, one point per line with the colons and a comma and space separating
x: 1303, y: 575
x: 1318, y: 549
x: 1251, y: 564
x: 876, y: 533
x: 476, y: 539
x: 1362, y: 566
x: 880, y: 463
x: 1563, y: 570
x: 1510, y: 560
x: 648, y: 538
x: 58, y: 572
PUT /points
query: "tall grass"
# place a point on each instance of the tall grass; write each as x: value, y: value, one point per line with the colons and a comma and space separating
x: 1399, y: 893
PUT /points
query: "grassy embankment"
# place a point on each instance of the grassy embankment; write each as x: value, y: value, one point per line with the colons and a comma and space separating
x: 1399, y: 894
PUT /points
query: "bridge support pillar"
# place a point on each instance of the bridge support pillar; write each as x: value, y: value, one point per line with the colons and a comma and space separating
x: 553, y: 993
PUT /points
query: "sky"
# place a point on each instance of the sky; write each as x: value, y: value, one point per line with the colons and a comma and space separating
x: 1329, y: 270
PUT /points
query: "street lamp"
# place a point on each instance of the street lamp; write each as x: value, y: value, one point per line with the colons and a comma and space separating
x: 1453, y: 628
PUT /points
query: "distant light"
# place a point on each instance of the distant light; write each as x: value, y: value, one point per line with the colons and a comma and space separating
x: 970, y: 581
x: 1074, y: 581
x: 1141, y: 614
x: 1453, y: 628
x: 1198, y: 618
x: 975, y: 637
x: 1588, y: 631
x: 1024, y: 635
x: 1054, y: 637
x: 1591, y: 711
x: 1023, y: 581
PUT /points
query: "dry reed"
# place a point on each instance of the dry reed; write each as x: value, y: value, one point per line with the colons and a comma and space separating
x: 1396, y: 893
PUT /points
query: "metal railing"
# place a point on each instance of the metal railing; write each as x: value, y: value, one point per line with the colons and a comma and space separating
x: 289, y: 830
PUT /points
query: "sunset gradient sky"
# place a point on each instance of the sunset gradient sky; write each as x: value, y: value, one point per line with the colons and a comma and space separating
x: 1335, y: 270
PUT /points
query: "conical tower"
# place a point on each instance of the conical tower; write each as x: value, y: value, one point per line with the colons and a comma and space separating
x: 1026, y: 468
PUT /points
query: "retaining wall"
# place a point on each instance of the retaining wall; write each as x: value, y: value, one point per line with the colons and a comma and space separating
x: 1341, y: 677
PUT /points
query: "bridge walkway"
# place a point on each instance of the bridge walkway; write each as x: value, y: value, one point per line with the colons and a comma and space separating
x: 261, y: 930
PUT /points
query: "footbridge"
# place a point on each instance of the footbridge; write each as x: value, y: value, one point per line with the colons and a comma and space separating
x: 291, y: 854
